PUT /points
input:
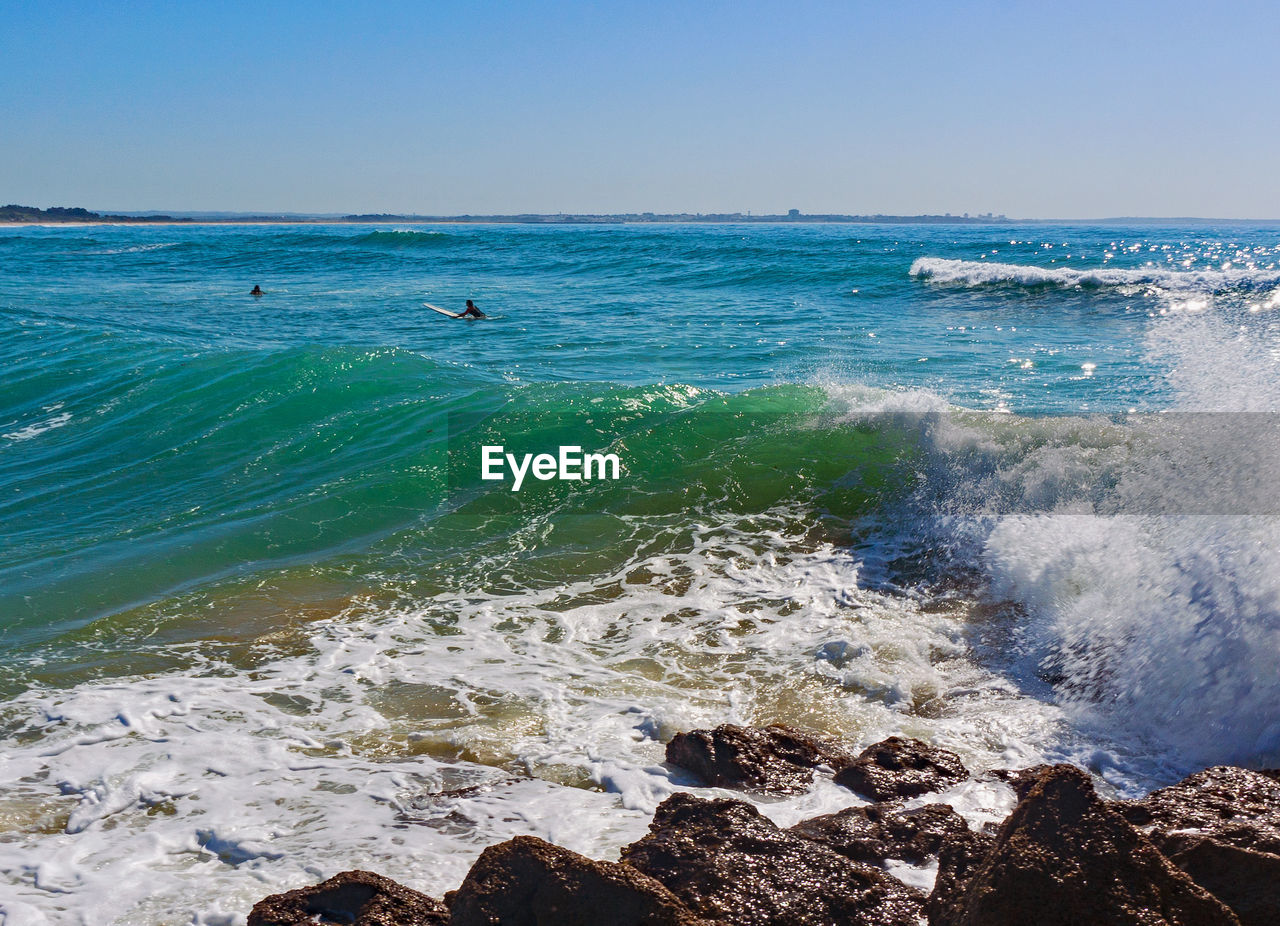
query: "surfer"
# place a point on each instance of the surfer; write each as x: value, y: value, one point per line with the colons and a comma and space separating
x: 256, y: 291
x: 471, y: 311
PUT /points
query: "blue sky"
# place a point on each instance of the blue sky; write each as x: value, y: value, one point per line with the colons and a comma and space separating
x: 1029, y: 109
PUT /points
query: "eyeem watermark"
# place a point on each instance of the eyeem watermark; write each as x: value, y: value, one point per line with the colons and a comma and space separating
x: 570, y: 464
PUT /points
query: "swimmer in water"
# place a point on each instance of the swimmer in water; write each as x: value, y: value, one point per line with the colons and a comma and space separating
x: 471, y: 311
x: 256, y: 291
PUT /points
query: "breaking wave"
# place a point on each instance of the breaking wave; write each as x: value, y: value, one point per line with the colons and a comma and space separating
x: 992, y: 273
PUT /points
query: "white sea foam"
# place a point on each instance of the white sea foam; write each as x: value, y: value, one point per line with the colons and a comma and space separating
x: 1218, y: 359
x: 985, y: 273
x: 137, y: 248
x: 1144, y: 551
x: 35, y: 429
x: 186, y: 797
x: 1165, y: 627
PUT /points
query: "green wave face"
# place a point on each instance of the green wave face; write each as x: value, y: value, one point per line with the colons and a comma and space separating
x: 186, y: 477
x: 179, y: 469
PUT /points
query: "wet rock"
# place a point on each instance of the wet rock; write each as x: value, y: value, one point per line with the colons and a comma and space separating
x: 1064, y: 858
x: 776, y: 758
x: 875, y: 833
x: 1232, y: 805
x: 731, y: 865
x: 1246, y: 880
x: 361, y: 898
x: 959, y: 858
x: 1021, y: 780
x: 900, y: 768
x: 528, y: 882
x: 1222, y: 827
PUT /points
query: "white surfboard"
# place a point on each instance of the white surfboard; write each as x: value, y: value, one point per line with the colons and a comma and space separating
x: 443, y: 311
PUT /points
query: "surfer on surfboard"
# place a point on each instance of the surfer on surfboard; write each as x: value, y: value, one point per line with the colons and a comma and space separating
x: 469, y: 312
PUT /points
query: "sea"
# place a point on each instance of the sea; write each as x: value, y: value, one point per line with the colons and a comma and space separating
x: 1010, y: 489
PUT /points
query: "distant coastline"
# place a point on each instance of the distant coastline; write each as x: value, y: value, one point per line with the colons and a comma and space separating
x: 62, y: 215
x: 15, y: 215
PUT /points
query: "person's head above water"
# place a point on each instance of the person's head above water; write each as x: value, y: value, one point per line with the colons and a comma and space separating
x: 256, y: 291
x: 470, y: 304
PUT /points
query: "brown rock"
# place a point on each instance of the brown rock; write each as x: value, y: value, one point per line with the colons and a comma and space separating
x: 1222, y: 827
x: 776, y: 758
x: 900, y: 768
x: 958, y: 859
x: 361, y: 898
x: 1022, y: 780
x: 1246, y: 880
x: 875, y: 833
x: 528, y: 882
x: 1064, y: 858
x: 731, y: 865
x: 1233, y: 805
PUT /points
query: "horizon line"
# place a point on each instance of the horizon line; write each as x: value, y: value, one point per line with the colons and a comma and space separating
x: 67, y: 215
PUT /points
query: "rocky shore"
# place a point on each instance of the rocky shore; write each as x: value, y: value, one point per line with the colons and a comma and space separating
x: 1203, y: 851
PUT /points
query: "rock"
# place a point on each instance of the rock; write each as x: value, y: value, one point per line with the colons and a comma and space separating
x: 1246, y: 880
x: 958, y: 859
x: 776, y: 758
x: 1063, y: 858
x: 1232, y: 805
x: 1022, y: 780
x: 528, y: 882
x: 361, y: 898
x: 1222, y: 827
x: 875, y: 833
x: 731, y: 865
x: 900, y: 768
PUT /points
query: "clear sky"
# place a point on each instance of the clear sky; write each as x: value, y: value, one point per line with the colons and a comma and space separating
x: 1034, y: 109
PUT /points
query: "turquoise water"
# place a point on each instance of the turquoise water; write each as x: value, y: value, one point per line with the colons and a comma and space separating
x: 728, y: 307
x: 195, y: 431
x: 954, y: 457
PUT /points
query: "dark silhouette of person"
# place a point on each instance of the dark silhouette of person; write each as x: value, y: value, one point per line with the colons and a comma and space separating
x: 471, y: 311
x: 256, y: 291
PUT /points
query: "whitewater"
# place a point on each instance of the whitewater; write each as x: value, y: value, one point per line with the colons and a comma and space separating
x: 1006, y: 489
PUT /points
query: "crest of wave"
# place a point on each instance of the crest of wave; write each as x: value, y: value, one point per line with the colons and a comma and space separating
x: 988, y: 273
x: 1143, y: 551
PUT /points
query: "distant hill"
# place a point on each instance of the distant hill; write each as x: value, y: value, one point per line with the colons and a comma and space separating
x: 629, y: 218
x: 15, y: 213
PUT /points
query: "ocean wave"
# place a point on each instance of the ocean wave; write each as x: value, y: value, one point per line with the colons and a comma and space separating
x: 1095, y: 526
x: 27, y: 432
x: 992, y: 273
x: 563, y: 635
x: 205, y: 463
x: 403, y: 238
x: 1164, y: 628
x: 1142, y: 554
x: 137, y: 248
